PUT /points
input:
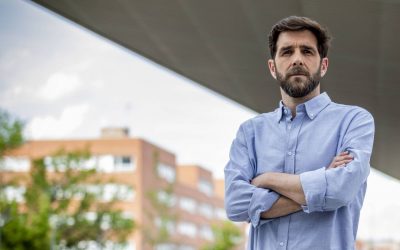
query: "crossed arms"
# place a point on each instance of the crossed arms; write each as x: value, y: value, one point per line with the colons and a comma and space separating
x: 289, y: 186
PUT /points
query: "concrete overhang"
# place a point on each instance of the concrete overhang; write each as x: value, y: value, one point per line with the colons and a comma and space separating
x: 222, y: 45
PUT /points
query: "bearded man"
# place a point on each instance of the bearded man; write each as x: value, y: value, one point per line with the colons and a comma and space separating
x: 299, y: 174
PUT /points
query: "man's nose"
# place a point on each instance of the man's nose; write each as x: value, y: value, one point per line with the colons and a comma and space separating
x: 297, y: 59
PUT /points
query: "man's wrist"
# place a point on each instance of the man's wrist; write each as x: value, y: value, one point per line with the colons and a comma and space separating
x: 261, y: 181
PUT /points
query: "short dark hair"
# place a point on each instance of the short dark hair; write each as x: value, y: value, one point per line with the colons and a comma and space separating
x: 296, y: 23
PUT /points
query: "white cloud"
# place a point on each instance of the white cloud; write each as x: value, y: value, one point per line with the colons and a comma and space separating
x: 51, y: 127
x: 9, y: 59
x: 59, y: 85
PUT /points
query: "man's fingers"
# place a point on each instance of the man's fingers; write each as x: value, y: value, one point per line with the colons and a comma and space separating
x: 341, y: 160
x: 344, y: 157
x: 341, y: 163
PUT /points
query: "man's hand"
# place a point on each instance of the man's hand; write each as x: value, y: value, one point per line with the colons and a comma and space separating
x: 289, y: 185
x: 282, y: 207
x: 341, y: 160
x: 285, y: 184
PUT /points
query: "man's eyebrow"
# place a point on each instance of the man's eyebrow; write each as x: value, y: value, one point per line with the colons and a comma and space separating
x: 307, y: 47
x: 286, y: 47
x: 303, y: 46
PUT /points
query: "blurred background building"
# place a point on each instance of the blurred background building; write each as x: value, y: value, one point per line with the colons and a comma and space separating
x: 135, y: 171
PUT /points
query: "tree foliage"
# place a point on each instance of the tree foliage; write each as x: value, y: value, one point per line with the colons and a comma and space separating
x: 10, y: 137
x: 160, y: 212
x: 226, y: 237
x: 57, y: 203
x: 10, y: 132
x: 56, y: 209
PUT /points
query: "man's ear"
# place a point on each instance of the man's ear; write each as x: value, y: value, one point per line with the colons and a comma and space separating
x: 272, y: 69
x: 324, y: 66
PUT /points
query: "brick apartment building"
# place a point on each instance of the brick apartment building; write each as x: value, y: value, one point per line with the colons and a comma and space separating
x: 138, y: 167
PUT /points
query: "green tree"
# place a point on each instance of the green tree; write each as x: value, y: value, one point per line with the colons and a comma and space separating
x: 226, y: 236
x: 10, y: 137
x: 57, y: 204
x: 10, y: 132
x: 160, y: 212
x: 57, y: 207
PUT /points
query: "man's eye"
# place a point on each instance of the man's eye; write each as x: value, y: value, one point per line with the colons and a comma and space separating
x: 307, y: 52
x: 286, y: 52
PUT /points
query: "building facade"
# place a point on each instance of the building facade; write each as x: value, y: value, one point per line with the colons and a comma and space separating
x: 139, y: 171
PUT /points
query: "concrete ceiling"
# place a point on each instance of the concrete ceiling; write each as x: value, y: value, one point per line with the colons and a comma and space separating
x: 223, y: 45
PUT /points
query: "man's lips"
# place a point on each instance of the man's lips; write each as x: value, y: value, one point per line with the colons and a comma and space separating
x: 297, y: 75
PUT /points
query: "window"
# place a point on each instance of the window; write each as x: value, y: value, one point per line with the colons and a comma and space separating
x: 17, y: 164
x: 91, y: 216
x: 186, y: 247
x: 220, y: 214
x: 105, y: 223
x: 117, y: 191
x: 187, y: 228
x: 187, y: 204
x: 166, y: 198
x: 130, y: 245
x: 115, y: 163
x: 166, y: 172
x: 206, y: 233
x: 14, y: 193
x: 105, y: 163
x: 165, y: 223
x: 165, y: 246
x: 205, y: 187
x: 127, y: 215
x: 206, y: 210
x: 109, y: 192
x: 102, y: 163
x: 59, y: 162
x: 109, y: 245
x: 123, y: 163
x: 90, y: 163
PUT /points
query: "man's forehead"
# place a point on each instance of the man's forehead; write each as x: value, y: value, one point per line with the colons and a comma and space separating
x: 303, y: 38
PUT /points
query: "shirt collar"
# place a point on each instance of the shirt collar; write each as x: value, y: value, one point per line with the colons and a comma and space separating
x: 317, y: 104
x: 312, y: 107
x: 279, y: 112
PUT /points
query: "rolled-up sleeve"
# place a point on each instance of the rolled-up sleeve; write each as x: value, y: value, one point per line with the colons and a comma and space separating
x: 330, y: 189
x: 244, y: 201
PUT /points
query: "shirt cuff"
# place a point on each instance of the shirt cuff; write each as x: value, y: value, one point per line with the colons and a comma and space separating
x: 261, y: 200
x: 314, y: 187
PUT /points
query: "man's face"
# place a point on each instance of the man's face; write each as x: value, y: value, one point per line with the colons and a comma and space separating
x: 297, y: 65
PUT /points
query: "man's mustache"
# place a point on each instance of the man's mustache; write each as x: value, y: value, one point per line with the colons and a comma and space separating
x: 297, y: 70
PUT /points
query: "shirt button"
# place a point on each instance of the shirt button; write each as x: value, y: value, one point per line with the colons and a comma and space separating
x: 311, y: 115
x: 289, y: 153
x: 281, y: 244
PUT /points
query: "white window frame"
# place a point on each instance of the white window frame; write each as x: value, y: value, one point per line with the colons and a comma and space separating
x: 166, y: 172
x: 188, y: 204
x: 206, y: 187
x: 187, y: 229
x: 15, y: 164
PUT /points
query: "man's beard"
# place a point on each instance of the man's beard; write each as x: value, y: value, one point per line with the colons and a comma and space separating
x: 297, y: 86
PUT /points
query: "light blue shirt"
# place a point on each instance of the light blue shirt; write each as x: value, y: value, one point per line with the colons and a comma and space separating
x: 306, y: 145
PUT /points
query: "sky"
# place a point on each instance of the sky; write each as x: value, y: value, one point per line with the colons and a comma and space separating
x: 67, y: 82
